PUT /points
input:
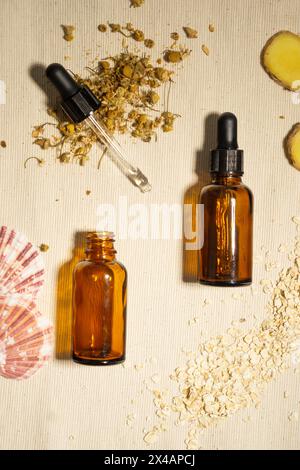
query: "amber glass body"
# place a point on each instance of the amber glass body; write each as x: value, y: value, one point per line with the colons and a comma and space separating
x: 226, y: 255
x: 99, y: 304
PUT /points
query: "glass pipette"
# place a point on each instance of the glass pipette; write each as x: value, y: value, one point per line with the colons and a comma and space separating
x: 80, y: 104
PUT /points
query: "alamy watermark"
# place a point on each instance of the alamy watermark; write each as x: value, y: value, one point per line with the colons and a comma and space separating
x: 2, y: 92
x: 153, y: 221
x: 295, y: 95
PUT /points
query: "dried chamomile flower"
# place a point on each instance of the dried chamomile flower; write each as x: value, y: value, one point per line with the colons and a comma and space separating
x: 129, y: 27
x: 115, y: 28
x: 64, y: 157
x: 138, y: 35
x: 102, y: 28
x: 37, y: 131
x: 162, y: 74
x: 3, y: 144
x: 153, y: 97
x: 149, y: 43
x: 211, y: 28
x: 83, y: 159
x: 136, y: 3
x: 128, y: 88
x: 168, y: 121
x: 43, y: 143
x: 127, y: 71
x: 173, y: 56
x: 43, y: 247
x: 104, y: 64
x: 205, y: 49
x: 67, y: 129
x: 69, y: 31
x: 190, y: 32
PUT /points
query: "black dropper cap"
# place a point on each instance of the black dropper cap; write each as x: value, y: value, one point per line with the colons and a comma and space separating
x: 78, y: 102
x: 227, y: 158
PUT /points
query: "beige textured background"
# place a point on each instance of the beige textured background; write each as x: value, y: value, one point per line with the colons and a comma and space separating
x: 75, y: 407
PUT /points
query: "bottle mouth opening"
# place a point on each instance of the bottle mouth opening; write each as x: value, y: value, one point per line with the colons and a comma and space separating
x: 100, y: 245
x: 100, y: 235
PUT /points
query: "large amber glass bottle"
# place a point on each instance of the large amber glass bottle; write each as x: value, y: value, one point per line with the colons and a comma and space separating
x: 99, y: 304
x: 225, y: 258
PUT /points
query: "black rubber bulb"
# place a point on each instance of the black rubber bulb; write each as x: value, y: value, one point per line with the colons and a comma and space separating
x: 227, y: 132
x: 62, y: 80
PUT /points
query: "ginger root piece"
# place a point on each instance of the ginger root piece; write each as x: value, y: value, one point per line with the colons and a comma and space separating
x: 281, y: 59
x: 293, y: 146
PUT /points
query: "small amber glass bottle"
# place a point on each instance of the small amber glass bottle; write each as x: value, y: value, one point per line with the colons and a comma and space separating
x: 225, y: 258
x: 99, y: 303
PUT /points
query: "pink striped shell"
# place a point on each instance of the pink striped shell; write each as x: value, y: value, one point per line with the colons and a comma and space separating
x: 21, y: 265
x: 26, y: 338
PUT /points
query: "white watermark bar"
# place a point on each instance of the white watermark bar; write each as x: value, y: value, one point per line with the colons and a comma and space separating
x: 2, y: 92
x: 153, y: 221
x: 295, y: 95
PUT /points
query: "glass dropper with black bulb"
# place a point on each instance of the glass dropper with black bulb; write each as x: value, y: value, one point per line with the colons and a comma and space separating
x: 79, y: 104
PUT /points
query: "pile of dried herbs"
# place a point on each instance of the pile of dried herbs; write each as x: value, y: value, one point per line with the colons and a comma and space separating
x: 134, y: 92
x: 136, y: 3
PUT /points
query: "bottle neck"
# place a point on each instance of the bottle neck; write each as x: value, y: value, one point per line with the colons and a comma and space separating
x: 100, y: 246
x: 226, y: 179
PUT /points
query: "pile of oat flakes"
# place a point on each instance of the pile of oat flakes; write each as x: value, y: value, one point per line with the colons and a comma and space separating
x: 230, y: 372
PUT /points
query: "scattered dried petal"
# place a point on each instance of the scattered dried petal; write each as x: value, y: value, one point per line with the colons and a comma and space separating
x: 43, y: 247
x: 205, y: 49
x: 136, y: 3
x: 69, y: 31
x: 115, y: 28
x: 190, y: 32
x: 175, y: 36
